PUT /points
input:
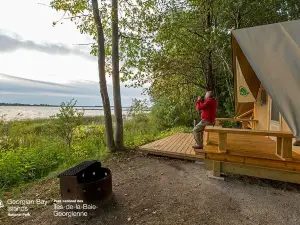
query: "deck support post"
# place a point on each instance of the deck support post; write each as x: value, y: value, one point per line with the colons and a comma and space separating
x: 206, y: 137
x: 245, y: 124
x: 222, y: 142
x: 284, y: 148
x: 278, y: 145
x: 216, y: 168
x: 287, y: 148
x: 253, y: 125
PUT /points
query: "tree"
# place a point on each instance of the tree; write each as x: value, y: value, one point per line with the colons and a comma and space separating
x: 116, y: 77
x: 180, y: 47
x: 107, y: 35
x: 103, y: 87
x: 193, y: 45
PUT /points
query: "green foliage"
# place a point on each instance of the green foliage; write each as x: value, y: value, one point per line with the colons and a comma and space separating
x: 168, y: 115
x: 67, y: 119
x: 188, y: 32
x: 139, y: 110
x: 229, y: 124
x: 27, y: 163
x: 93, y: 120
x: 137, y: 133
x: 32, y: 149
x: 168, y: 43
x: 145, y: 126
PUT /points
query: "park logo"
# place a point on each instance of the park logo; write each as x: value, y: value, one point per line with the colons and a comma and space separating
x: 243, y: 91
x: 1, y: 204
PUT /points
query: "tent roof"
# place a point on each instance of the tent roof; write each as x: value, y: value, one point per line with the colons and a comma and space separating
x: 273, y: 52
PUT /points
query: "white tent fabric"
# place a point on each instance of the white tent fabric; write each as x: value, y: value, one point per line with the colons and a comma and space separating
x: 273, y: 52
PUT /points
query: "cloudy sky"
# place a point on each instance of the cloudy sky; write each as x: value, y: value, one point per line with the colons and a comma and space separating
x: 40, y: 63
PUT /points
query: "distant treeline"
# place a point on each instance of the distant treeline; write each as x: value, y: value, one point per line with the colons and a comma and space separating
x: 46, y: 105
x: 19, y: 104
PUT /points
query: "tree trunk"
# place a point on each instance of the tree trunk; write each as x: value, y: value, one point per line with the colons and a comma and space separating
x: 210, y: 86
x: 116, y: 77
x: 102, y: 79
x: 210, y: 81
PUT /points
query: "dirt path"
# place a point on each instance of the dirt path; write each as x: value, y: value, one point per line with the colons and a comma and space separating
x: 151, y: 190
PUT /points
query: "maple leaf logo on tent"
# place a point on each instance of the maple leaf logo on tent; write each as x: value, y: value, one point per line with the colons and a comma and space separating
x: 243, y: 91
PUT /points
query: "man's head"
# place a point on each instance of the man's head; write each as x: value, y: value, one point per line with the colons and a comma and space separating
x: 208, y: 94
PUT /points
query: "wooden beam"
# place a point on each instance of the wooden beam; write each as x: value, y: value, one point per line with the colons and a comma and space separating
x: 254, y: 108
x: 269, y: 112
x: 250, y: 132
x: 236, y: 120
x: 278, y: 146
x: 206, y: 137
x: 194, y: 157
x: 245, y: 124
x: 222, y: 142
x: 255, y: 171
x: 287, y: 148
x: 244, y: 114
x: 284, y: 148
x: 275, y: 162
x: 253, y: 125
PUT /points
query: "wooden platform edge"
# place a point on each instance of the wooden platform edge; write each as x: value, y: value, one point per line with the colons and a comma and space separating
x: 198, y: 157
x: 255, y: 171
x: 255, y: 161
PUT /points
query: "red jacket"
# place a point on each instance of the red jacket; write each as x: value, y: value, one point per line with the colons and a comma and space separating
x: 209, y: 109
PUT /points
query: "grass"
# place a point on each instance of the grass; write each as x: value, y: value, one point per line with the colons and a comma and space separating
x: 34, y: 149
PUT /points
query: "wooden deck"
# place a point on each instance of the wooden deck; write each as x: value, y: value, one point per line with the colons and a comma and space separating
x: 176, y: 146
x: 242, y: 149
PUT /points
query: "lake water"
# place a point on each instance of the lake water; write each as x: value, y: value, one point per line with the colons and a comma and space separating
x: 35, y: 112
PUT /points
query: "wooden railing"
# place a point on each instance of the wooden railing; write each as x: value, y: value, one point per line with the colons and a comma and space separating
x: 284, y: 148
x: 245, y: 122
x: 246, y: 114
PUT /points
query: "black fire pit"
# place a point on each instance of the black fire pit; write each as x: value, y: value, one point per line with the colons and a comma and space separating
x: 87, y: 181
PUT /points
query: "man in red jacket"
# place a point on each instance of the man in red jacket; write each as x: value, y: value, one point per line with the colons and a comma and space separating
x: 208, y: 116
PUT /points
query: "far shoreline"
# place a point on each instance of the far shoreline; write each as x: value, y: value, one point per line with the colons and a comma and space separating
x: 41, y: 105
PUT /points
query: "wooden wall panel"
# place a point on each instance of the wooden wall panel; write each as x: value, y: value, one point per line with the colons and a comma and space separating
x: 261, y: 112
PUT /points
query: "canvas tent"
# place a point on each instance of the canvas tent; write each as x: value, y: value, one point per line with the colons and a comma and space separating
x: 269, y: 55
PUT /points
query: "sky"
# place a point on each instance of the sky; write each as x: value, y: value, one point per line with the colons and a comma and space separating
x: 31, y: 49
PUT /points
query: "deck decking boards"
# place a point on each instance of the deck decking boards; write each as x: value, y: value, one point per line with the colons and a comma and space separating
x: 183, y: 144
x: 245, y: 149
x: 159, y: 144
x: 178, y: 146
x: 171, y: 146
x: 175, y: 147
x: 154, y: 143
x: 188, y: 148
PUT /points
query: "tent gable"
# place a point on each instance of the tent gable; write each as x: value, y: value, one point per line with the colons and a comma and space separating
x: 274, y: 55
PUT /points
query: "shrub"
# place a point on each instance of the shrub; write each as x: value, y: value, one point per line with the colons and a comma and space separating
x: 167, y: 114
x: 68, y: 119
x: 23, y: 164
x: 139, y: 111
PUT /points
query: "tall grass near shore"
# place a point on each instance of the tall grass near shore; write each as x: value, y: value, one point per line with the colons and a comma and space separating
x: 30, y: 150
